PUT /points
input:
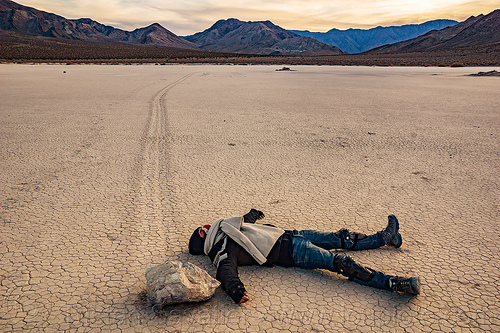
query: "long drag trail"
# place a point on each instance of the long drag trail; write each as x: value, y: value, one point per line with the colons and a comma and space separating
x: 151, y: 204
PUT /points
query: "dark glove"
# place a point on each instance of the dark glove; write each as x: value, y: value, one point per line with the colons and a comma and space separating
x: 237, y: 293
x: 253, y: 215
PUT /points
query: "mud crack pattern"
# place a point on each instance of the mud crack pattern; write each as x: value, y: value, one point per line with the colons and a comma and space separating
x: 107, y: 170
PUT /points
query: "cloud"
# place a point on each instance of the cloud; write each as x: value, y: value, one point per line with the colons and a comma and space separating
x: 189, y: 16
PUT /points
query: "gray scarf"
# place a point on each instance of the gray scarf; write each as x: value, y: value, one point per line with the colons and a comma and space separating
x: 256, y: 239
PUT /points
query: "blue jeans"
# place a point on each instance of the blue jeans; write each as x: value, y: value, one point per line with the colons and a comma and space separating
x: 342, y: 239
x: 311, y: 251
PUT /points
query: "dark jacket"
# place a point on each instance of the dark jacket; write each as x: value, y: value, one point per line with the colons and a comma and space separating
x: 227, y: 272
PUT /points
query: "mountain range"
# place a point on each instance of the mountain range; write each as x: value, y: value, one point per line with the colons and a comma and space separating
x: 230, y: 35
x: 360, y: 40
x: 262, y: 38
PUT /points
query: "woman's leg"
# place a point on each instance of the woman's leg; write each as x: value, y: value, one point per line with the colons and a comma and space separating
x: 345, y: 239
x: 308, y: 255
x: 342, y: 239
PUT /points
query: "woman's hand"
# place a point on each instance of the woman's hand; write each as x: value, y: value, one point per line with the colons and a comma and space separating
x: 244, y: 299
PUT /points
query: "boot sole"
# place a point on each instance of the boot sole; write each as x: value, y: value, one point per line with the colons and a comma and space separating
x: 397, y: 241
x: 415, y: 285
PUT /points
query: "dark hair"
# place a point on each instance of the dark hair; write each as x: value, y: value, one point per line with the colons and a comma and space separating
x: 196, y: 243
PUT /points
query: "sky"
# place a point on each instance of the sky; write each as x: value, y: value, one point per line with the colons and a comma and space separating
x: 186, y: 17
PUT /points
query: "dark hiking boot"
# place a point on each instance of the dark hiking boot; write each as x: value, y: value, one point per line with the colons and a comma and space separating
x: 391, y: 233
x: 405, y: 285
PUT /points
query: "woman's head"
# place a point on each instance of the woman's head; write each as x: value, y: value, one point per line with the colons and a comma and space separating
x: 197, y: 241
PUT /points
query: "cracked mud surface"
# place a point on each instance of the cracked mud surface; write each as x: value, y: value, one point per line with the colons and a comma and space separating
x: 107, y: 170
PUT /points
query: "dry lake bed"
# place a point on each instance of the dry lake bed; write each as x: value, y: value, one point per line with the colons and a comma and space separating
x: 106, y: 171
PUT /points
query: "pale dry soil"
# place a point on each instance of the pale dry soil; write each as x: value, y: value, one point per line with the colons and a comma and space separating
x: 106, y: 170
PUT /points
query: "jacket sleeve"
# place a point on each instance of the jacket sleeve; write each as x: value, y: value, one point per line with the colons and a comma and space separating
x: 227, y: 272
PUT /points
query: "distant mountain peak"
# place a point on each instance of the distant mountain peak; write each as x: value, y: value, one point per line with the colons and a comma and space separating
x: 156, y: 25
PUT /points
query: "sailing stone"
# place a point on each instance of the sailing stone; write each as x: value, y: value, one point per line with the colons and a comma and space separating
x: 176, y: 282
